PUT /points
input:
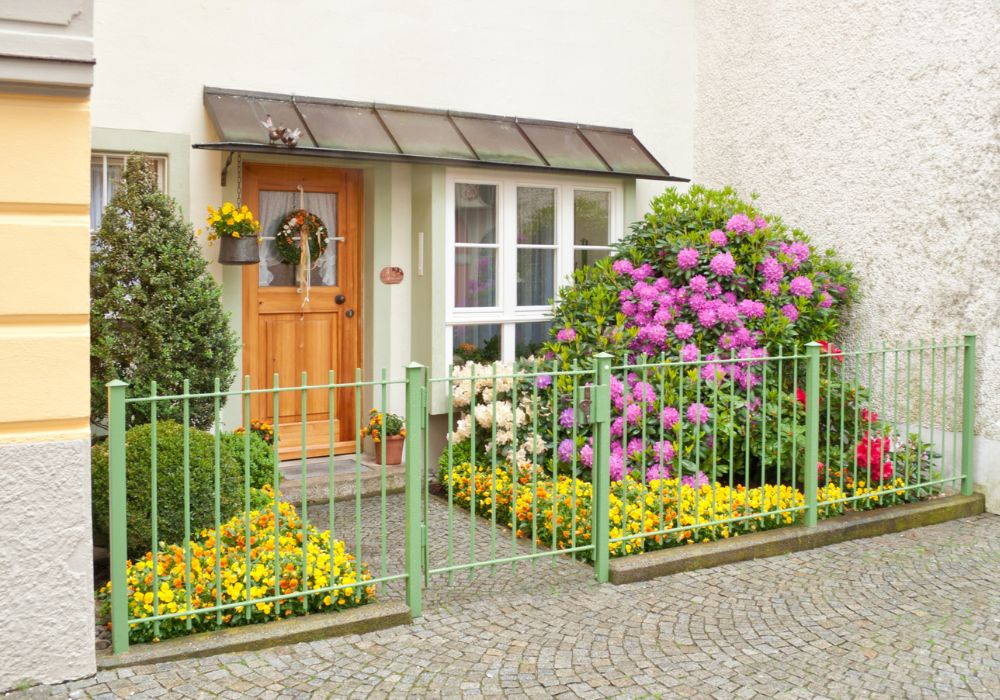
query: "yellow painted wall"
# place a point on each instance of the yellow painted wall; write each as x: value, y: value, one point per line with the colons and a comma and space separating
x: 44, y: 285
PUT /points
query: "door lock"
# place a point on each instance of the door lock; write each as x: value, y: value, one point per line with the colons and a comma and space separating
x: 340, y: 298
x: 349, y: 313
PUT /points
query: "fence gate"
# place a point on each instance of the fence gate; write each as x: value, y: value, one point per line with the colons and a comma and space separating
x: 518, y: 503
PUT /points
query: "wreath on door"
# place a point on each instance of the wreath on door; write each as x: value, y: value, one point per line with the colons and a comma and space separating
x: 298, y: 226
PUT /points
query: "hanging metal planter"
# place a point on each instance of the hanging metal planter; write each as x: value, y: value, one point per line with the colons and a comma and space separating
x: 239, y: 251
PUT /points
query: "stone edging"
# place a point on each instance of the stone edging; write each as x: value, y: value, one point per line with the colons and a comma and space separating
x: 850, y: 526
x: 367, y: 618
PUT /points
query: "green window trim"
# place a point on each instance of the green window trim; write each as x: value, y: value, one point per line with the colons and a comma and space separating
x: 175, y: 147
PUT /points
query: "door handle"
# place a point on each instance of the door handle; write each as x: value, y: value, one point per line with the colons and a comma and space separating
x: 340, y: 298
x: 349, y: 313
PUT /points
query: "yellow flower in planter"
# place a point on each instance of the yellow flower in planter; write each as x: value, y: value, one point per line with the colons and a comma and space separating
x: 231, y: 222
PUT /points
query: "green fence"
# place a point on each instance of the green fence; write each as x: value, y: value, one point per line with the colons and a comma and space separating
x: 493, y: 451
x: 543, y: 460
x: 302, y: 561
x: 658, y: 452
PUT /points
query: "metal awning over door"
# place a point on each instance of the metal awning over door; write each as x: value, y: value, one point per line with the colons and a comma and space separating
x: 372, y: 131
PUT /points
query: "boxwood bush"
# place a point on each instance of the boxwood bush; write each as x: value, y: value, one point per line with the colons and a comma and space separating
x: 170, y: 484
x: 261, y: 457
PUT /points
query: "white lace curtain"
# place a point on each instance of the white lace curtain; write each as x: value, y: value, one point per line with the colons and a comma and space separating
x: 274, y: 207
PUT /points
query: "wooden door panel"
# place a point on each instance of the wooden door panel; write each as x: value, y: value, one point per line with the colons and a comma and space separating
x: 320, y: 340
x: 284, y: 334
x: 280, y: 333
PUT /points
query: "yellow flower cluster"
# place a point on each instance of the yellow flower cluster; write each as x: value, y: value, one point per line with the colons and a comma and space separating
x: 222, y: 572
x: 230, y: 221
x: 639, y: 514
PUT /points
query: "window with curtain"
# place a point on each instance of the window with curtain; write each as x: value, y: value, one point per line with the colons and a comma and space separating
x: 275, y: 205
x: 105, y: 173
x: 513, y: 241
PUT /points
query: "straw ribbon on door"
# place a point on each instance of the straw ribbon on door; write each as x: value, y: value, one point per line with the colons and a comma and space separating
x: 305, y: 257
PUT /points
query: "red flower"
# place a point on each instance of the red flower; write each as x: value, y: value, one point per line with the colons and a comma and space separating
x: 832, y: 350
x: 869, y: 416
x: 800, y: 395
x: 882, y: 474
x: 870, y: 455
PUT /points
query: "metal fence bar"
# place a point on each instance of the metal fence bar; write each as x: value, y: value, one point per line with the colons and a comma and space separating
x: 601, y: 419
x: 154, y: 502
x: 187, y: 500
x: 304, y: 410
x: 276, y: 478
x: 810, y: 476
x: 246, y: 492
x: 383, y: 529
x: 117, y: 515
x: 217, y: 492
x: 968, y: 412
x: 415, y: 412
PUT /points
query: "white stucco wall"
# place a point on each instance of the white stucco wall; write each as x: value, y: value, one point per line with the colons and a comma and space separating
x: 573, y: 60
x: 567, y: 60
x: 874, y: 127
x: 46, y: 566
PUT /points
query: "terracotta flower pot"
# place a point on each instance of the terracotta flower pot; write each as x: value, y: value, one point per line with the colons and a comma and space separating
x: 239, y: 251
x: 393, y: 450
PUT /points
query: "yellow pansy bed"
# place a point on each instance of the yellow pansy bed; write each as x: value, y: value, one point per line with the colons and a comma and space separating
x: 327, y: 568
x: 696, y: 514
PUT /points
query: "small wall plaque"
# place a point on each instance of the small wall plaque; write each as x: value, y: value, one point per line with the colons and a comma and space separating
x: 391, y: 275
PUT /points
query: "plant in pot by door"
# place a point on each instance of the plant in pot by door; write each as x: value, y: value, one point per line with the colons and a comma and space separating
x: 388, y: 432
x: 237, y: 229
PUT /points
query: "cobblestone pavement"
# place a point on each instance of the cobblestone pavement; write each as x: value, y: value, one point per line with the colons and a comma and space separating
x: 915, y: 614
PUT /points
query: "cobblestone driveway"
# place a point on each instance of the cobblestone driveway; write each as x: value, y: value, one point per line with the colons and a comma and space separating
x: 915, y: 614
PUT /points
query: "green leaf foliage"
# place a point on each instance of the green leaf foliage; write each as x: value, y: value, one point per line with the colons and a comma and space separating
x: 156, y: 313
x: 170, y: 484
x: 261, y: 457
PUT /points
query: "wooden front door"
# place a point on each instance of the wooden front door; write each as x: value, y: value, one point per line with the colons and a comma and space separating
x: 282, y: 333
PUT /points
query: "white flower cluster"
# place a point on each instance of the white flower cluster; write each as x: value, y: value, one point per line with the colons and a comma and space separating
x: 489, y: 379
x: 486, y: 403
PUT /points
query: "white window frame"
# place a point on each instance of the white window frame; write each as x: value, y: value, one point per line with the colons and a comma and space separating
x: 506, y: 313
x: 159, y: 159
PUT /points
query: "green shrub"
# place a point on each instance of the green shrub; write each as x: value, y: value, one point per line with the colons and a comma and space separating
x: 460, y: 452
x: 170, y: 484
x: 261, y: 457
x: 156, y: 312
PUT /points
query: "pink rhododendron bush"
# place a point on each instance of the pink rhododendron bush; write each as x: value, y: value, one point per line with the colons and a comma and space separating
x: 704, y: 273
x: 706, y: 307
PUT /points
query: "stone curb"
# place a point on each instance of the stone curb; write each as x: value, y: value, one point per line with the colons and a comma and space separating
x: 850, y: 526
x: 367, y: 618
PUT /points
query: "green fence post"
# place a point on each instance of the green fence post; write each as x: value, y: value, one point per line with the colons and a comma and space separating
x: 116, y: 511
x: 968, y: 412
x: 601, y: 418
x: 415, y: 416
x: 810, y: 474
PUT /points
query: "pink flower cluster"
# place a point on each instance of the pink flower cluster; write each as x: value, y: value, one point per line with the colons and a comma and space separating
x: 636, y: 404
x: 670, y: 319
